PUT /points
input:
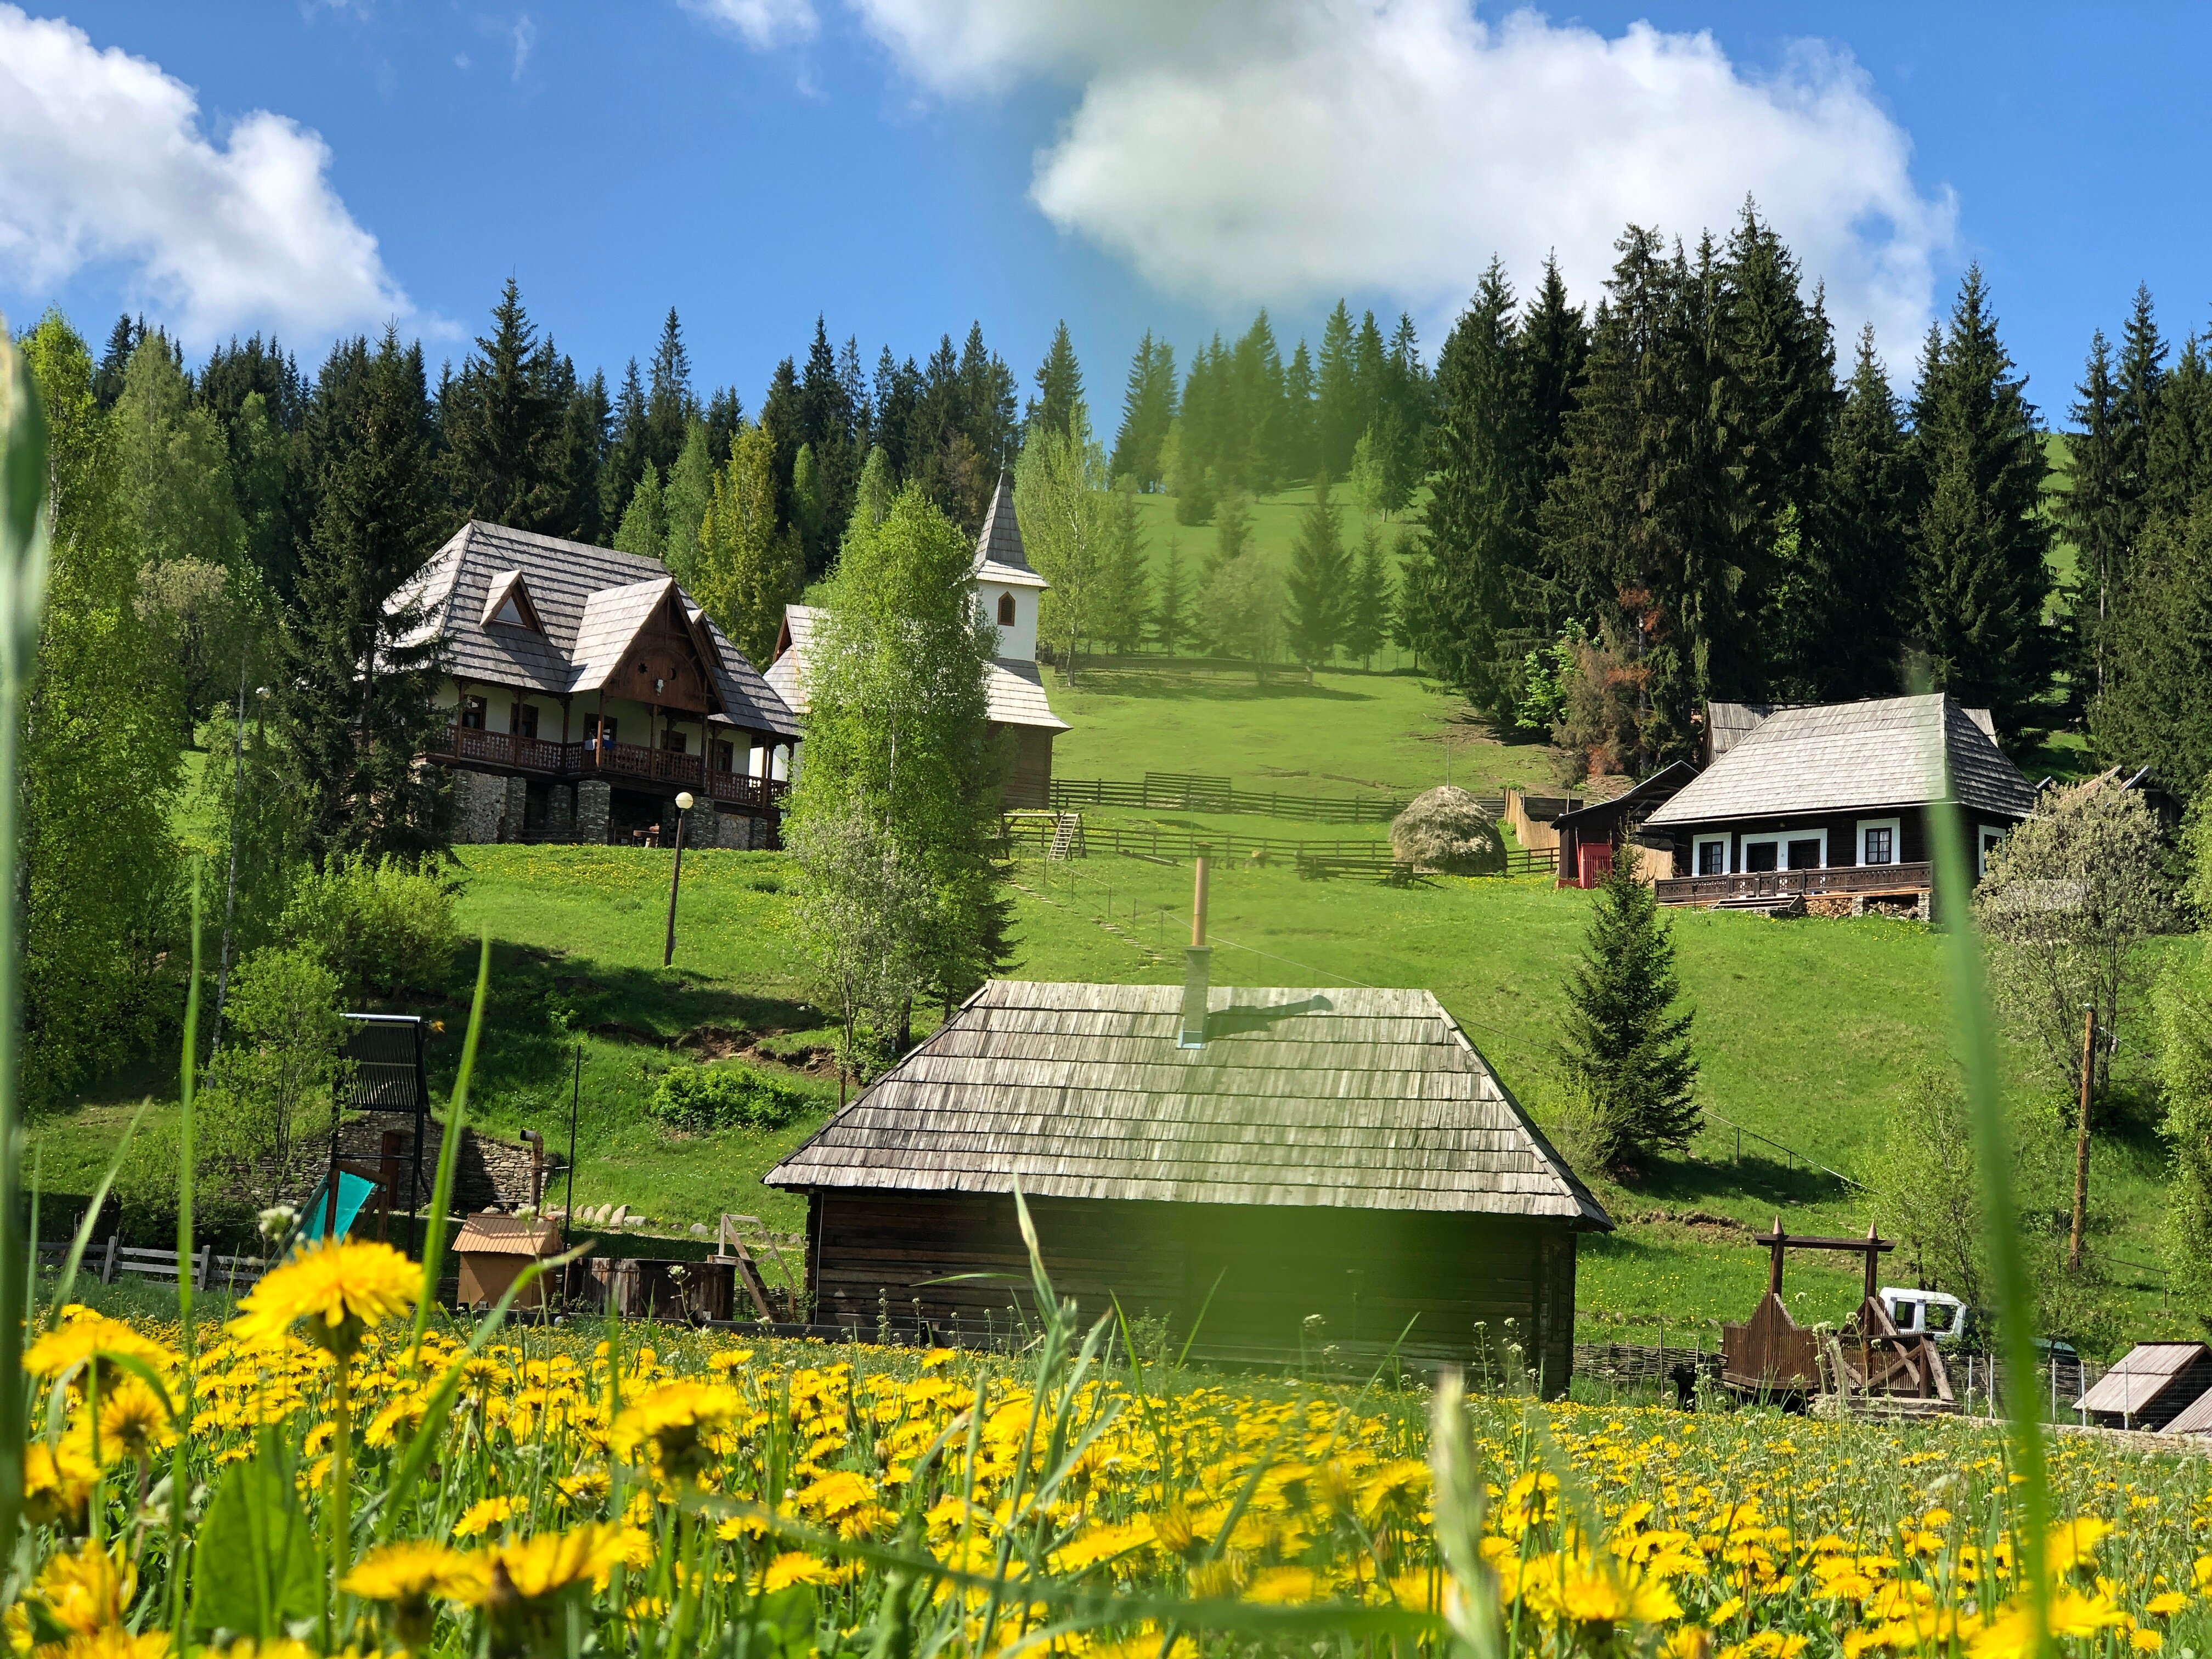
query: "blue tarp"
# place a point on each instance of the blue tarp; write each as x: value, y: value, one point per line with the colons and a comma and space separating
x: 353, y: 1192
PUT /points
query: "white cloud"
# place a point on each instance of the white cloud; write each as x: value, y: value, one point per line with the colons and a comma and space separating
x: 761, y: 24
x: 1287, y: 151
x: 102, y: 160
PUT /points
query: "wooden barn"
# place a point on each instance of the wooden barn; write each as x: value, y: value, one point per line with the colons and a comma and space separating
x: 1265, y: 1157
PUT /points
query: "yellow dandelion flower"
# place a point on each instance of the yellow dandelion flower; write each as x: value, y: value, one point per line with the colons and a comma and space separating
x: 2146, y: 1641
x: 407, y: 1576
x: 796, y: 1567
x: 338, y: 1289
x: 85, y: 1336
x: 480, y: 1517
x: 2166, y: 1604
x: 1284, y: 1584
x: 57, y: 1482
x: 85, y: 1590
x: 681, y: 1424
x: 113, y: 1642
x: 134, y: 1422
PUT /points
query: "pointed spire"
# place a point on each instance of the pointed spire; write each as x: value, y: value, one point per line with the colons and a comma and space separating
x: 1000, y: 540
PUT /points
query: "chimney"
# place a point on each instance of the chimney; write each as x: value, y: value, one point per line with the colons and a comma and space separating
x: 1194, y: 975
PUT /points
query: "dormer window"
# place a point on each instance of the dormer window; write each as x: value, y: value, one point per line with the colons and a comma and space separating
x: 1005, y: 611
x: 507, y: 601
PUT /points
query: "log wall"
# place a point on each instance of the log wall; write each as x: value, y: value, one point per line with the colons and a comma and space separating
x: 1259, y: 1273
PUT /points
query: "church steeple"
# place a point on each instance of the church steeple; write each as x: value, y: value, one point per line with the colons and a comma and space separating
x: 999, y: 542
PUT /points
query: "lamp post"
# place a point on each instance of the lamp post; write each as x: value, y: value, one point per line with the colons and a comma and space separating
x: 675, y: 876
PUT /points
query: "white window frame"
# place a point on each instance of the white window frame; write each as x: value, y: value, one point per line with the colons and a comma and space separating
x: 1698, y: 843
x: 1782, y: 838
x: 1896, y: 828
x: 1986, y: 837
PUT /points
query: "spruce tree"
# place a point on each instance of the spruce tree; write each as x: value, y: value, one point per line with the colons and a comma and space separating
x: 1232, y: 529
x: 2095, y: 511
x: 626, y: 457
x: 872, y: 495
x: 1625, y: 1049
x: 1320, y: 582
x: 670, y: 406
x: 1301, y: 444
x: 1148, y: 410
x: 1861, y: 529
x: 1479, y: 528
x: 1982, y: 542
x: 502, y: 425
x: 1338, y: 418
x: 123, y: 343
x: 357, y: 688
x: 2178, y: 465
x: 1127, y: 590
x: 582, y: 459
x: 1254, y: 446
x: 2153, y: 710
x: 1171, y: 623
x: 829, y: 426
x: 1367, y: 620
x: 1059, y: 383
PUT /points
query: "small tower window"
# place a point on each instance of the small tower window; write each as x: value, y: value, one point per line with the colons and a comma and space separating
x: 1005, y: 611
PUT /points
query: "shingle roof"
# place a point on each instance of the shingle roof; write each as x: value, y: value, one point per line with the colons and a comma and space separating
x: 2143, y: 1373
x: 1014, y: 690
x: 1362, y: 1099
x: 566, y: 583
x: 1846, y: 756
x: 999, y: 542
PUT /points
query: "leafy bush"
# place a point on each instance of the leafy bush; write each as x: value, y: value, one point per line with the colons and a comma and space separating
x: 380, y: 927
x: 725, y: 1098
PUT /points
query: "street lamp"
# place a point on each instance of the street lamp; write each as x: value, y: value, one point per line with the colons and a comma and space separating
x: 676, y: 875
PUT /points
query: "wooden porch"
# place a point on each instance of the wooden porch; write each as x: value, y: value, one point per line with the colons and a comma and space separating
x: 629, y: 763
x: 1764, y: 886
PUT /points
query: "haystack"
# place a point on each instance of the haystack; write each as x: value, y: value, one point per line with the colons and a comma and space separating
x: 1446, y: 830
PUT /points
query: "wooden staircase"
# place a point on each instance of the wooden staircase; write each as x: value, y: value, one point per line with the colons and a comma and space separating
x: 1066, y: 839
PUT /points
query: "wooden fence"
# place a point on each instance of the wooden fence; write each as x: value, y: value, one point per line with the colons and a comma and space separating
x: 111, y: 1259
x: 1183, y: 792
x: 1317, y: 857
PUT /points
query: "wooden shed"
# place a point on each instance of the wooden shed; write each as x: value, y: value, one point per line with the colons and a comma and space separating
x: 2150, y: 1387
x: 1238, y: 1162
x: 494, y: 1248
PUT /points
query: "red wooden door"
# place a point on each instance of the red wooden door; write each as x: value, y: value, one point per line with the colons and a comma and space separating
x: 1593, y: 863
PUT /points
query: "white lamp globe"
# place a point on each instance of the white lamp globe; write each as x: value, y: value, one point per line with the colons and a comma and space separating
x: 683, y: 800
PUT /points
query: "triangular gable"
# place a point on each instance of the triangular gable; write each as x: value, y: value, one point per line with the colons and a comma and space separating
x: 616, y: 619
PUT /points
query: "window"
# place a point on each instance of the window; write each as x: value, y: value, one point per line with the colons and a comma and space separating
x: 674, y: 742
x: 605, y: 733
x: 522, y: 720
x: 1786, y: 849
x: 1941, y: 1316
x: 1005, y: 611
x: 510, y: 613
x: 1711, y: 858
x: 1879, y: 840
x: 1986, y: 843
x: 1805, y: 855
x: 472, y: 714
x: 1762, y: 855
x: 725, y: 756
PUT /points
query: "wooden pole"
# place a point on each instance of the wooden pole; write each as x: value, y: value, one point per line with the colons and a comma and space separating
x: 1198, y: 913
x: 1774, y: 1260
x: 2081, y: 1140
x: 675, y: 880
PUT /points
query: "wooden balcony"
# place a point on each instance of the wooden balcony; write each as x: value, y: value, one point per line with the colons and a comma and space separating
x: 1762, y: 886
x: 625, y: 764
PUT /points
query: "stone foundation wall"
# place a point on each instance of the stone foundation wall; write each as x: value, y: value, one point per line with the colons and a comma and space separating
x: 594, y: 799
x: 559, y: 811
x: 479, y: 804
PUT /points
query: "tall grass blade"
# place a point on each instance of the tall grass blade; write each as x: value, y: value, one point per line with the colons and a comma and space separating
x: 23, y: 529
x: 449, y: 1154
x: 2015, y: 1298
x: 188, y: 1075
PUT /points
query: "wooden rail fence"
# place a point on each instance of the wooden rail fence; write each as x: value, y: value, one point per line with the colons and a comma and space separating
x: 1192, y: 793
x: 111, y: 1259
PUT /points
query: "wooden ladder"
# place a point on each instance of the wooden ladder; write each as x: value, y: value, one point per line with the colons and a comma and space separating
x: 1066, y: 838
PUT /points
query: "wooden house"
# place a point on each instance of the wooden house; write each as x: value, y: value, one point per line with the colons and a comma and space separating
x: 1591, y: 837
x: 1008, y: 593
x: 1271, y: 1169
x: 2151, y: 1386
x: 494, y: 1249
x: 1829, y: 804
x: 586, y: 689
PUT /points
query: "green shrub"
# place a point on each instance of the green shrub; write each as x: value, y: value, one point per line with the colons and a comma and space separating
x: 380, y: 927
x: 725, y: 1098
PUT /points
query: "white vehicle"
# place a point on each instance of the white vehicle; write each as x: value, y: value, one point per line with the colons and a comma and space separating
x: 1925, y: 1313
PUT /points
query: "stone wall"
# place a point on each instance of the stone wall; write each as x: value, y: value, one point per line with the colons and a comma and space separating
x: 592, y: 800
x: 559, y: 811
x: 479, y: 804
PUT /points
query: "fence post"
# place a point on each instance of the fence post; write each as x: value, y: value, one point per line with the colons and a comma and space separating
x: 207, y: 1265
x: 108, y: 1266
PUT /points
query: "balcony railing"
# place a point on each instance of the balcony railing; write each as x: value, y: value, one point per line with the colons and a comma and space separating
x: 625, y: 761
x: 1753, y: 886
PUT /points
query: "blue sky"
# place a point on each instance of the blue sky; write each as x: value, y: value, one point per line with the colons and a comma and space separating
x: 905, y: 166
